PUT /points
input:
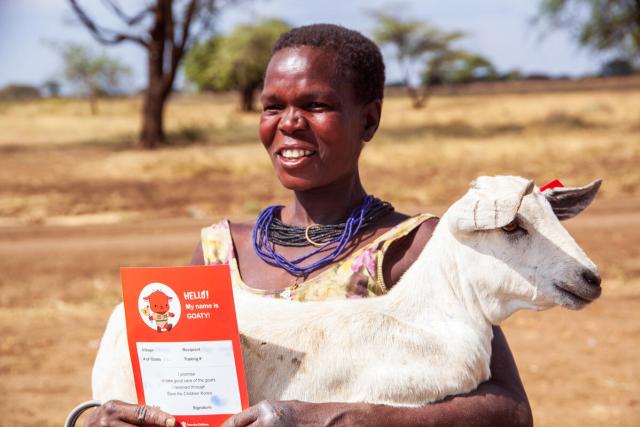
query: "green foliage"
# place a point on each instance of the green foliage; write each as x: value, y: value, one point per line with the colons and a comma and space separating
x: 14, y: 92
x: 617, y: 67
x: 236, y: 61
x: 200, y: 66
x: 601, y: 25
x: 459, y: 67
x: 92, y: 74
x: 414, y: 41
x: 419, y: 45
x: 511, y: 75
x: 52, y: 88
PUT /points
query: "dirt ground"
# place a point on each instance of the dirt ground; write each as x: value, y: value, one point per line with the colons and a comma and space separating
x: 579, y: 368
x: 76, y: 204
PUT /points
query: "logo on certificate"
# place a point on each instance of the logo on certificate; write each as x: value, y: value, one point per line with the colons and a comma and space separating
x: 159, y: 307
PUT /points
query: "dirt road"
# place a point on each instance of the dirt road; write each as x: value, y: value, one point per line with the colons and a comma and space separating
x: 59, y: 283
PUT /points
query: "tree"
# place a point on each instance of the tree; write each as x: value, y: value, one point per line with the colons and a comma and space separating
x: 165, y: 29
x: 617, y: 67
x: 416, y: 43
x: 235, y: 62
x: 602, y: 25
x: 93, y: 75
x: 19, y: 92
x: 52, y: 88
x: 458, y: 67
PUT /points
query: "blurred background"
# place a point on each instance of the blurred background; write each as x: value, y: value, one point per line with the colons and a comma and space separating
x: 127, y: 126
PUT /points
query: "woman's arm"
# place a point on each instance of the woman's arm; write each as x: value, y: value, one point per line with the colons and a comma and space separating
x: 501, y: 401
x: 120, y: 414
x: 198, y: 257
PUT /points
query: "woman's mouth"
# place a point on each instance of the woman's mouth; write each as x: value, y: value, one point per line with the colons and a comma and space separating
x: 295, y: 153
x: 293, y: 157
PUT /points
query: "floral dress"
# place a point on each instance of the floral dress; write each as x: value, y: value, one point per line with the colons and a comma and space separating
x: 357, y: 276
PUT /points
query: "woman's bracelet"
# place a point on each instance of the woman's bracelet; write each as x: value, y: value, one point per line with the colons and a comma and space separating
x: 75, y: 413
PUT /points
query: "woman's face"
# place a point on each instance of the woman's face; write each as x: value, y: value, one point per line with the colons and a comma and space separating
x: 311, y: 124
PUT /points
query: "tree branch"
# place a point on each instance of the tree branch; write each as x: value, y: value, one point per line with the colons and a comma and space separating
x: 104, y: 35
x: 170, y: 37
x: 178, y: 47
x: 157, y: 44
x: 187, y: 20
x: 128, y: 20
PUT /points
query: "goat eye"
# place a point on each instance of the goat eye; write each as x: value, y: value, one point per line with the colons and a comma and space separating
x: 512, y: 227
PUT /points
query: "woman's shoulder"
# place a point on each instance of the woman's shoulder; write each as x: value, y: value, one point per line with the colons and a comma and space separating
x: 242, y: 229
x: 225, y: 228
x: 216, y: 244
x: 411, y: 236
x: 217, y: 241
x: 415, y: 228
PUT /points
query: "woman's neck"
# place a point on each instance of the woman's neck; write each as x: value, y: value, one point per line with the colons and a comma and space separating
x: 330, y: 204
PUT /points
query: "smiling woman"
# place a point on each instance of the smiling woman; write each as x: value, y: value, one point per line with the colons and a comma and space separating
x: 312, y: 124
x: 314, y: 119
x: 322, y: 101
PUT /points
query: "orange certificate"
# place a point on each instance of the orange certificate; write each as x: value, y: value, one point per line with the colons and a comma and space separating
x: 184, y: 342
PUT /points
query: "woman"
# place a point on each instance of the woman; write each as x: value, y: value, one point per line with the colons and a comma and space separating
x: 322, y: 101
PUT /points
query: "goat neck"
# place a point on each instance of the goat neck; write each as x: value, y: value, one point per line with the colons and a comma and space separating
x: 436, y: 287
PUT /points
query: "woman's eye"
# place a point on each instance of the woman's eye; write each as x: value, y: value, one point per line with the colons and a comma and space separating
x: 317, y: 106
x: 272, y: 107
x: 512, y: 227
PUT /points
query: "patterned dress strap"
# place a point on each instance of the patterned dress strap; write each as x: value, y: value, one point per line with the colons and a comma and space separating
x: 217, y: 247
x: 387, y: 240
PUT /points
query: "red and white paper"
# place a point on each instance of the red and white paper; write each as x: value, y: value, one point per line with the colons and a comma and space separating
x: 184, y: 342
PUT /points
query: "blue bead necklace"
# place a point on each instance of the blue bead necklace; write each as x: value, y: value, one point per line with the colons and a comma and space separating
x: 359, y: 218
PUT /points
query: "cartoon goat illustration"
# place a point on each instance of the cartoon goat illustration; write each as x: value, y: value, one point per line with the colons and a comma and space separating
x: 159, y: 310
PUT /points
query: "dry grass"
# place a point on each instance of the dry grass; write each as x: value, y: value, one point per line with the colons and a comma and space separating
x: 106, y: 205
x: 55, y: 153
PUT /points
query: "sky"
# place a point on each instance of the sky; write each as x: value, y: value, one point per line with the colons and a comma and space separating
x: 501, y: 30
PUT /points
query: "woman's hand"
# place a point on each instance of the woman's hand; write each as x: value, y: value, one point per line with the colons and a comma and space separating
x: 276, y: 413
x: 501, y: 401
x: 120, y: 414
x: 270, y: 413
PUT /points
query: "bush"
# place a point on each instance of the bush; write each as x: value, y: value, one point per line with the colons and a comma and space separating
x: 17, y: 92
x: 616, y: 67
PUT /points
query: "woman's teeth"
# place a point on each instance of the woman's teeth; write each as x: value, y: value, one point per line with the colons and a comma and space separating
x: 295, y: 154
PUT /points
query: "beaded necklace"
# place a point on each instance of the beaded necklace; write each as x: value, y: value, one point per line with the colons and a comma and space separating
x: 269, y: 231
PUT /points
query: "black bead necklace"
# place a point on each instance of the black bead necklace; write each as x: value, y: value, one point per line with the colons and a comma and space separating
x: 318, y: 234
x: 333, y: 237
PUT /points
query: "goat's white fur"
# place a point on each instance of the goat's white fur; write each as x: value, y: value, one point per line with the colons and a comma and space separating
x: 428, y: 338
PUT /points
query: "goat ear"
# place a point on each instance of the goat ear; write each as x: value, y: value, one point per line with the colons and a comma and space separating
x: 568, y: 202
x: 490, y: 203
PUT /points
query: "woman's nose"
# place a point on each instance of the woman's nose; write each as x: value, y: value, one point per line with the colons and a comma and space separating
x: 292, y: 121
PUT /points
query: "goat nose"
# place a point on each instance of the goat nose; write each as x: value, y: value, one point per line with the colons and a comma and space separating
x: 591, y: 278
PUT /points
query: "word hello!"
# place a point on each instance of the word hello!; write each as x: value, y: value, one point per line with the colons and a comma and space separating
x: 195, y: 295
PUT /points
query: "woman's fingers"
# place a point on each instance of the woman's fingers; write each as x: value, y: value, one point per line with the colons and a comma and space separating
x: 243, y: 419
x: 118, y: 423
x: 120, y: 414
x: 264, y: 414
x: 145, y: 415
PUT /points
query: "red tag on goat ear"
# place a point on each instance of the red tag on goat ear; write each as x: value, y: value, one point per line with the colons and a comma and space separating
x: 552, y: 184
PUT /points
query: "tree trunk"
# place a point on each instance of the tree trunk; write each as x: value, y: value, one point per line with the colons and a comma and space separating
x: 93, y: 104
x: 247, y: 98
x: 152, y: 132
x: 418, y: 98
x: 165, y: 45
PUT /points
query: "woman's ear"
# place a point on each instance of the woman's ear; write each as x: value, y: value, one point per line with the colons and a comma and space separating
x: 372, y: 112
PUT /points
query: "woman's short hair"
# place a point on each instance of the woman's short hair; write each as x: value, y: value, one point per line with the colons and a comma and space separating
x: 356, y: 56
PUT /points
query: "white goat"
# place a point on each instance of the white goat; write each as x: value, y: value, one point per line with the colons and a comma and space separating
x: 498, y: 249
